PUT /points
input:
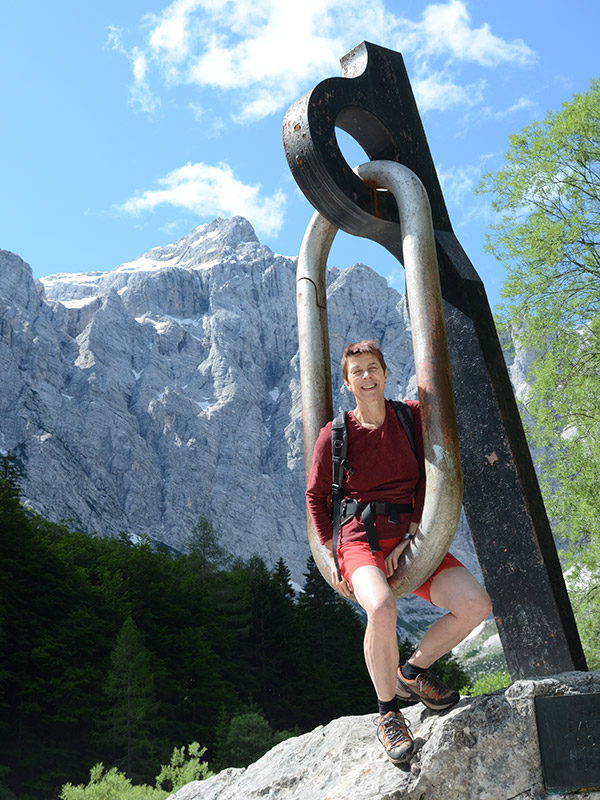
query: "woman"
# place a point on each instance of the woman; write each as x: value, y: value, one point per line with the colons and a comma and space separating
x: 386, y: 471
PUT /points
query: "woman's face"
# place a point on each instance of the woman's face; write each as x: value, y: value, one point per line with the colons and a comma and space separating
x: 366, y: 377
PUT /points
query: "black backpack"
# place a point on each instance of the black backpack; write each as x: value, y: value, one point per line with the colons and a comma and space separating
x: 340, y: 465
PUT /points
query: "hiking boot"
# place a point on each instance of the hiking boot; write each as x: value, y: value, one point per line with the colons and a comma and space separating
x: 428, y: 689
x: 393, y: 733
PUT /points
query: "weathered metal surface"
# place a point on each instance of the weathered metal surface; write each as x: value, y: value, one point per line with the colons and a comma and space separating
x: 373, y: 102
x: 443, y: 499
x: 313, y: 344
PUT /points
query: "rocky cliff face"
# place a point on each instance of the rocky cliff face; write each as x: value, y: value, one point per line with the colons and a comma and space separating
x: 485, y: 748
x: 141, y: 398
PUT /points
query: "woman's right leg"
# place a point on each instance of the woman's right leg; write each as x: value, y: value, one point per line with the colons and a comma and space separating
x: 372, y: 591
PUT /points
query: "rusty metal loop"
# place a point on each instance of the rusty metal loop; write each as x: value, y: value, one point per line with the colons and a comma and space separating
x: 374, y: 103
x: 443, y: 499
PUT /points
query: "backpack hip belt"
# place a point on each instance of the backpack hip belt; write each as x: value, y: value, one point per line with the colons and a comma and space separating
x: 353, y: 508
x: 367, y: 511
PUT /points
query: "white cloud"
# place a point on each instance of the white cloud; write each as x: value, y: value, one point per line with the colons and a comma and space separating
x: 437, y: 91
x: 268, y: 52
x: 522, y: 104
x: 212, y: 125
x: 458, y: 186
x: 198, y: 111
x: 140, y: 92
x: 446, y: 28
x: 459, y: 182
x: 169, y: 228
x: 171, y: 33
x: 212, y: 191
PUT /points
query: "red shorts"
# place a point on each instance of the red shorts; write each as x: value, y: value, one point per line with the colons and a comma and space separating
x: 358, y: 554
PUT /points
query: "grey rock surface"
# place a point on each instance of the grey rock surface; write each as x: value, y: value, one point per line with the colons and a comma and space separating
x: 486, y: 748
x: 166, y: 389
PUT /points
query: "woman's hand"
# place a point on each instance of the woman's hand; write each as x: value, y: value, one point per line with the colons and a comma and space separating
x: 341, y: 586
x: 391, y: 562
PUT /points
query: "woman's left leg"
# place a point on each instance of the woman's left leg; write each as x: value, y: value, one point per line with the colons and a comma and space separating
x: 468, y: 605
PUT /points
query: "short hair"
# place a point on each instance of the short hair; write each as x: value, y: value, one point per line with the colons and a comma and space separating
x: 366, y: 346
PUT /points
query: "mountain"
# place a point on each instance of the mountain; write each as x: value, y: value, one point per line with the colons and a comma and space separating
x: 166, y: 389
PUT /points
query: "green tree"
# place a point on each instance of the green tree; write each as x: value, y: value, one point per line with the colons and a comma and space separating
x: 130, y: 720
x: 11, y: 475
x: 249, y: 737
x: 110, y: 785
x: 183, y: 769
x: 275, y: 639
x: 486, y: 684
x: 205, y: 552
x: 5, y: 794
x: 51, y: 653
x: 547, y: 196
x: 449, y: 670
x: 245, y: 736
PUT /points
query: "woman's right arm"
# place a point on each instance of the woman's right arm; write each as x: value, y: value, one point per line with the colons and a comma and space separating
x: 318, y: 490
x: 318, y: 499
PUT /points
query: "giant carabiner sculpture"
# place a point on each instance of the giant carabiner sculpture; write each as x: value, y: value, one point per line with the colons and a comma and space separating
x: 443, y: 498
x: 374, y: 103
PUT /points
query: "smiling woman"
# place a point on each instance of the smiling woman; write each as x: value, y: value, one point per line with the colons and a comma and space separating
x: 383, y: 488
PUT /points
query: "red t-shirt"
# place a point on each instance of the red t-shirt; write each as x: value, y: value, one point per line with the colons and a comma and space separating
x: 385, y: 469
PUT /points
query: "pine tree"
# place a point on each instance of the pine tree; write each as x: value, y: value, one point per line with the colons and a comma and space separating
x: 205, y: 552
x: 130, y: 720
x: 276, y: 642
x: 336, y: 679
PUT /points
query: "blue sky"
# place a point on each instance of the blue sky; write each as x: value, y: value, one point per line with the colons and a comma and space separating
x: 125, y: 125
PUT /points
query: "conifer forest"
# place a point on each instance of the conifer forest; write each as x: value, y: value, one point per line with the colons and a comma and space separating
x: 117, y: 653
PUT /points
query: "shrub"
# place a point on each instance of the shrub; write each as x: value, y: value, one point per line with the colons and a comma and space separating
x: 485, y: 684
x: 114, y: 785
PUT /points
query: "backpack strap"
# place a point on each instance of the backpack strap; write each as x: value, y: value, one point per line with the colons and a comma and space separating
x: 339, y: 450
x: 407, y: 421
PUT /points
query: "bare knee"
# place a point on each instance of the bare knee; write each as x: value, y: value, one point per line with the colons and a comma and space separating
x: 458, y: 591
x: 382, y: 612
x: 476, y: 608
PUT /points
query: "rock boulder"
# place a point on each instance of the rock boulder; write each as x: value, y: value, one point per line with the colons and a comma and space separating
x: 485, y: 748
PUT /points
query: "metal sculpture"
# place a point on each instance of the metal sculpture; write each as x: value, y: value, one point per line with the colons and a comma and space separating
x: 373, y: 102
